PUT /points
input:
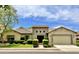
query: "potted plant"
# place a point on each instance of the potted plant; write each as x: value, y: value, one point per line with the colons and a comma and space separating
x: 45, y: 43
x: 35, y: 43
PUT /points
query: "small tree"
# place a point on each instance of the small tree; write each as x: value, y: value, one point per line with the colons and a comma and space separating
x: 7, y: 19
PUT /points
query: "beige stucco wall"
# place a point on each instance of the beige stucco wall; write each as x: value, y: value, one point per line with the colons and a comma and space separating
x: 17, y: 35
x: 39, y: 29
x: 62, y: 31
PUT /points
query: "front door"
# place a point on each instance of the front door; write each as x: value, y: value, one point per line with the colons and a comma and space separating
x: 40, y: 38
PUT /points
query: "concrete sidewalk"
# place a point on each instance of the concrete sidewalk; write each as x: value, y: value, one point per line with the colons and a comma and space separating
x: 29, y: 50
x: 39, y: 49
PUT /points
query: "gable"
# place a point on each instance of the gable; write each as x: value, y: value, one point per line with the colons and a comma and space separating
x: 62, y: 30
x: 12, y: 32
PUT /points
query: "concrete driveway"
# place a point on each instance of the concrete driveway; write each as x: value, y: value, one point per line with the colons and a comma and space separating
x: 68, y: 48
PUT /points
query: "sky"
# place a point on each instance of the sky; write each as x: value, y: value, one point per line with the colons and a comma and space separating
x: 50, y: 15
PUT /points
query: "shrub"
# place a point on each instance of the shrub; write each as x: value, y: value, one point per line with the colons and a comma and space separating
x: 45, y: 42
x: 25, y: 42
x: 77, y: 44
x: 77, y: 41
x: 15, y: 42
x: 29, y: 41
x: 19, y: 41
x: 11, y: 42
x: 35, y: 42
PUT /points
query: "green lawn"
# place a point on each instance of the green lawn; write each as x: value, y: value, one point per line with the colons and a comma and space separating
x: 17, y: 46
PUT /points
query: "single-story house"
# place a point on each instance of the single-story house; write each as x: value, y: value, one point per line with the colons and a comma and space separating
x: 58, y: 36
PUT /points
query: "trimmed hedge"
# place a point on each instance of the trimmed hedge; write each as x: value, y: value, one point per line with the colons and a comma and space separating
x: 19, y: 41
x: 11, y: 42
x: 45, y: 42
x: 35, y: 42
x: 77, y: 41
x: 29, y: 41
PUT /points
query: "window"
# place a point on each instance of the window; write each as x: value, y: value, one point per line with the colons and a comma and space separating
x: 27, y: 37
x: 40, y: 31
x: 36, y: 31
x: 10, y: 38
x: 22, y: 38
x: 44, y: 31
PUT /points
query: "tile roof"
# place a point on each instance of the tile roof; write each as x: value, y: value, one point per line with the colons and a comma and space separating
x: 40, y: 26
x: 23, y: 30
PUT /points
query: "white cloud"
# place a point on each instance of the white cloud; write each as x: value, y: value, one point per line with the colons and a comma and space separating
x: 55, y: 13
x: 27, y: 11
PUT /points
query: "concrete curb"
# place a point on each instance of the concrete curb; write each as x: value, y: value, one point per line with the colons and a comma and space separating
x: 29, y: 49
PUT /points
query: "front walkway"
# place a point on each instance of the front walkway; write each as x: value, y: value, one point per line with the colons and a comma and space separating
x: 40, y: 46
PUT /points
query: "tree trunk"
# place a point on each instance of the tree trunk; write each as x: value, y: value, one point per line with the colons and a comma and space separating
x: 2, y: 39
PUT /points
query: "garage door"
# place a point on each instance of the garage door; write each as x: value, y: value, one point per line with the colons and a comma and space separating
x: 62, y: 40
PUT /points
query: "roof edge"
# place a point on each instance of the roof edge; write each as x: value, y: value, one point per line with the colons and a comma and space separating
x: 62, y: 27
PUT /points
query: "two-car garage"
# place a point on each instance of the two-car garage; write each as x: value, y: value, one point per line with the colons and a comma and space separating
x: 62, y: 36
x: 62, y: 39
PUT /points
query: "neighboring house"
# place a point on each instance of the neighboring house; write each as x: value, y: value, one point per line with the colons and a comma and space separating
x: 60, y: 35
x: 77, y: 36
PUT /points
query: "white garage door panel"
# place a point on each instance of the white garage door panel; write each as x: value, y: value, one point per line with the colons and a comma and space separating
x: 62, y: 40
